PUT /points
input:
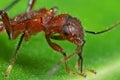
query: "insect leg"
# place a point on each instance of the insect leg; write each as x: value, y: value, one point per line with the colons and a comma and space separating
x: 58, y: 49
x: 103, y: 31
x: 5, y: 21
x: 14, y: 56
x: 66, y: 59
x: 30, y: 5
x: 10, y: 5
x: 77, y: 51
x: 79, y: 64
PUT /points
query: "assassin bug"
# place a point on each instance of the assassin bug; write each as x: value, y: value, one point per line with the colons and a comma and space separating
x: 31, y: 22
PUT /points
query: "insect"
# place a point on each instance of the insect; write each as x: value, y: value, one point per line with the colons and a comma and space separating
x: 32, y: 22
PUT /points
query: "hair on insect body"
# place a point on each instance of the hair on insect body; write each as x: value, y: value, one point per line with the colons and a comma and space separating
x: 34, y: 21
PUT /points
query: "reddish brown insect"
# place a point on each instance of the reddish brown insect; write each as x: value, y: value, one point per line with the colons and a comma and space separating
x: 32, y: 22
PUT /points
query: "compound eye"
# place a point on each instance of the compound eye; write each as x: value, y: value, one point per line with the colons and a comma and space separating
x: 65, y: 31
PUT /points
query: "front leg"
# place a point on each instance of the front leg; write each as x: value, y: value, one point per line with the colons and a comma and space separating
x: 79, y: 63
x: 58, y: 49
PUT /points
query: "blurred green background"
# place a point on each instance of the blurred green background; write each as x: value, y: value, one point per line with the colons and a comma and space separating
x: 36, y: 58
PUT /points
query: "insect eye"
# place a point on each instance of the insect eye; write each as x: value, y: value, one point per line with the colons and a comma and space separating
x: 65, y: 31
